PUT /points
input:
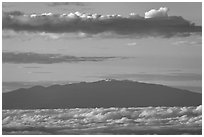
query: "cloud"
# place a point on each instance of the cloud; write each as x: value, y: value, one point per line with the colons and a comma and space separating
x: 160, y: 13
x: 155, y: 23
x: 26, y: 36
x: 42, y: 72
x: 32, y: 67
x: 10, y: 34
x: 190, y: 43
x: 134, y: 120
x: 51, y: 35
x: 29, y: 57
x: 132, y: 44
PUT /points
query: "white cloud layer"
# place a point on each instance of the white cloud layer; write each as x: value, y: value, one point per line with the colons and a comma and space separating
x: 178, y: 120
x: 188, y: 43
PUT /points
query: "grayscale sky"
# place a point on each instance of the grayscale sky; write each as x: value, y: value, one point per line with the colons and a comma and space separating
x: 39, y: 48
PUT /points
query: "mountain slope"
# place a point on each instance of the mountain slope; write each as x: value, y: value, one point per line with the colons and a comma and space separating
x: 99, y: 94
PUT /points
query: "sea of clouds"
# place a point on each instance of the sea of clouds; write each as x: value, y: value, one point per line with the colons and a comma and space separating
x: 139, y: 120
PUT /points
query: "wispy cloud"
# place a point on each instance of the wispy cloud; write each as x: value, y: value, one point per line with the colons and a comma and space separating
x: 26, y: 36
x: 29, y: 57
x: 32, y: 67
x: 66, y: 4
x: 41, y: 72
x: 186, y: 42
x: 155, y: 23
x: 132, y: 44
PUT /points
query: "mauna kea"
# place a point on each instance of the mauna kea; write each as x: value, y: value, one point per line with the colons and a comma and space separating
x: 112, y: 93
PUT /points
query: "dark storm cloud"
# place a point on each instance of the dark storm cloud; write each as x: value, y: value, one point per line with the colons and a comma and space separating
x: 11, y: 57
x: 65, y: 3
x: 155, y: 23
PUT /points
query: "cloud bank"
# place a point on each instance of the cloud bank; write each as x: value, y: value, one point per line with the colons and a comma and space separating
x: 12, y: 57
x: 141, y: 120
x: 155, y: 23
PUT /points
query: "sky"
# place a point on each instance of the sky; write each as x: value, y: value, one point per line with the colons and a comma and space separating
x: 46, y: 43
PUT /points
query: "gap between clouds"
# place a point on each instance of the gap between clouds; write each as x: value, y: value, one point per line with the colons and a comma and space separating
x: 155, y: 23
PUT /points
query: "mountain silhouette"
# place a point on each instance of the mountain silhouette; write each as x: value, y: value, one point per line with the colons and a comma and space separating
x: 104, y: 93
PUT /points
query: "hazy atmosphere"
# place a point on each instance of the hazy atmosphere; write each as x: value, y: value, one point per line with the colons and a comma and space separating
x: 165, y: 55
x: 102, y: 68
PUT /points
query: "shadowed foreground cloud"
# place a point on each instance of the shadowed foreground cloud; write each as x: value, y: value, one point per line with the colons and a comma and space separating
x: 29, y: 57
x: 155, y: 23
x: 141, y: 120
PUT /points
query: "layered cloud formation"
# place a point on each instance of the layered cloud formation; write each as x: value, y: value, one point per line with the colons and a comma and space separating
x: 155, y: 23
x: 142, y: 120
x: 29, y: 57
